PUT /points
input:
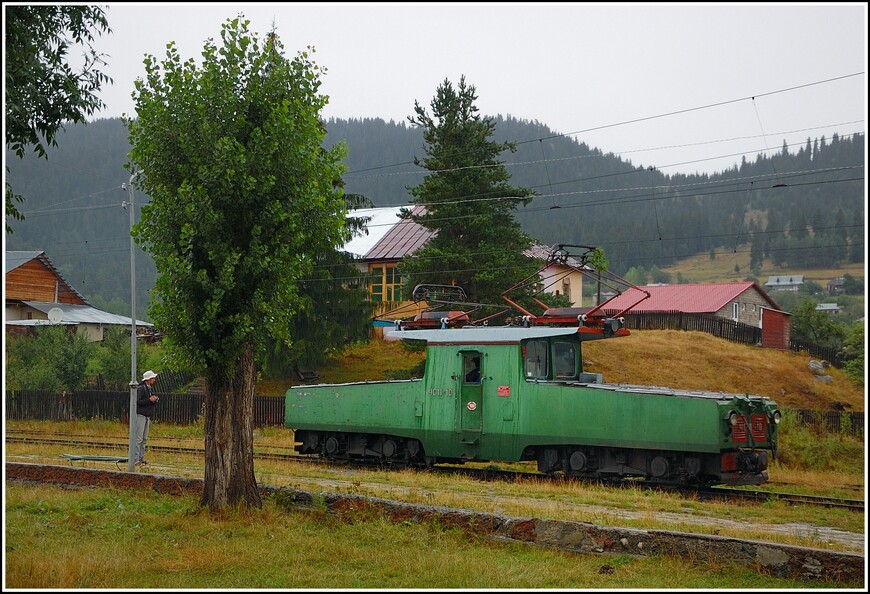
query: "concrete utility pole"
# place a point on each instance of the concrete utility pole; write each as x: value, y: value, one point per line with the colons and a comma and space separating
x: 134, y: 384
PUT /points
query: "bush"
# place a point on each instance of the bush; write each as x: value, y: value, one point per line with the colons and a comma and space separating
x: 805, y: 449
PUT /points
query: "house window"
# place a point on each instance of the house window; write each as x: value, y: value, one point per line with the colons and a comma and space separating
x: 566, y: 288
x: 386, y: 284
x: 735, y: 311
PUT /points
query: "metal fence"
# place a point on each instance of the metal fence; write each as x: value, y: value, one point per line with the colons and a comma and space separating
x: 186, y: 409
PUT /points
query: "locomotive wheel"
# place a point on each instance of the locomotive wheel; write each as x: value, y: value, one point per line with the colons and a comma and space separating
x: 389, y: 448
x: 577, y: 460
x: 413, y: 448
x: 659, y: 467
x: 331, y: 446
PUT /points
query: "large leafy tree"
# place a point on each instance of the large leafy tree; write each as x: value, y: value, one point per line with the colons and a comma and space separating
x: 812, y: 325
x: 242, y: 197
x: 43, y: 92
x: 469, y: 203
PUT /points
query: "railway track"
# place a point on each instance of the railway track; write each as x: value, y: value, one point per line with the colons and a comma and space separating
x: 286, y: 454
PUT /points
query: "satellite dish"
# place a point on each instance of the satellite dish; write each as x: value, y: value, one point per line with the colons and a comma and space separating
x: 55, y: 315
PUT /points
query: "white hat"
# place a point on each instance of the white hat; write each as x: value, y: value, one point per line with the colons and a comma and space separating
x: 148, y: 375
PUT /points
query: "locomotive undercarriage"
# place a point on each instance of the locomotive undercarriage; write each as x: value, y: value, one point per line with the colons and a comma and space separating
x: 655, y: 466
x: 390, y: 449
x: 745, y: 467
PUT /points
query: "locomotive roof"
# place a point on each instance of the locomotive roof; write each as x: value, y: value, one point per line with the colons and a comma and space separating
x: 486, y: 334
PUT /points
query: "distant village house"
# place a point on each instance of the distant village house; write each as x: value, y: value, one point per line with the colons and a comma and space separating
x: 37, y: 295
x: 785, y: 283
x: 831, y: 308
x: 837, y: 286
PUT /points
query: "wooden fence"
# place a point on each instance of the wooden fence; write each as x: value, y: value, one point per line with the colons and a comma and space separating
x: 186, y: 409
x: 181, y: 409
x: 831, y: 421
x: 829, y: 354
x: 722, y: 328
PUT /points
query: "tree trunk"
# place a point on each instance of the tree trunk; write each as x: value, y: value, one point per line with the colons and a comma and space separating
x: 229, y: 438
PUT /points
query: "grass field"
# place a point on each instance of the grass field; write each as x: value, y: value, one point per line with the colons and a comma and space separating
x: 701, y: 269
x: 105, y: 538
x: 112, y: 538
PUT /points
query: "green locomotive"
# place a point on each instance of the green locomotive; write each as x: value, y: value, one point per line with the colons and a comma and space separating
x: 534, y: 402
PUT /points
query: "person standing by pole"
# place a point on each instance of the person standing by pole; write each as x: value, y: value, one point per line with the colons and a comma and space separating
x: 146, y: 403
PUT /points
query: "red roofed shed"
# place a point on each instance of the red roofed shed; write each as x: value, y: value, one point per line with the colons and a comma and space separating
x: 744, y: 302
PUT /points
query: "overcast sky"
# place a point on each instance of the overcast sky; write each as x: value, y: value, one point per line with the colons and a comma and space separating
x: 578, y: 68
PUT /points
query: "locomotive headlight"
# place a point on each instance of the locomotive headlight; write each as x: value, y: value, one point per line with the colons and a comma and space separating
x: 777, y: 417
x: 733, y: 418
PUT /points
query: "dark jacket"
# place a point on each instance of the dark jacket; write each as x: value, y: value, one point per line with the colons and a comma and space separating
x: 144, y: 406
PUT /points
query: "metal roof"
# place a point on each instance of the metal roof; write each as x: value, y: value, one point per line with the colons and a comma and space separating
x: 15, y: 259
x: 698, y: 298
x: 80, y: 314
x: 403, y: 238
x: 388, y: 237
x: 39, y: 323
x: 381, y: 221
x: 793, y: 279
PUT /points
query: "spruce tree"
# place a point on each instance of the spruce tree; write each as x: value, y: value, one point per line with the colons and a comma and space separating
x: 468, y: 202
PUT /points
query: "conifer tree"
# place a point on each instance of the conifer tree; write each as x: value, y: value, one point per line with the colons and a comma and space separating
x: 468, y: 202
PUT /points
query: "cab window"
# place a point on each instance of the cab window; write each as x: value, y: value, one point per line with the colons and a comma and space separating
x: 565, y: 359
x: 535, y: 359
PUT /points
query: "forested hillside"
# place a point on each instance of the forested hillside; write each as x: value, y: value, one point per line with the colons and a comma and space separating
x: 800, y: 206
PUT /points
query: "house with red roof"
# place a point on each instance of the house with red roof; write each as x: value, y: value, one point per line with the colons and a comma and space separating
x: 742, y: 302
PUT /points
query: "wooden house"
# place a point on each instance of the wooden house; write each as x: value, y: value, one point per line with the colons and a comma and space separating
x: 837, y: 286
x: 37, y: 295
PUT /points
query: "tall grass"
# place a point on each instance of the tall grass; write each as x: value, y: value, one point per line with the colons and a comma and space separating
x: 802, y: 448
